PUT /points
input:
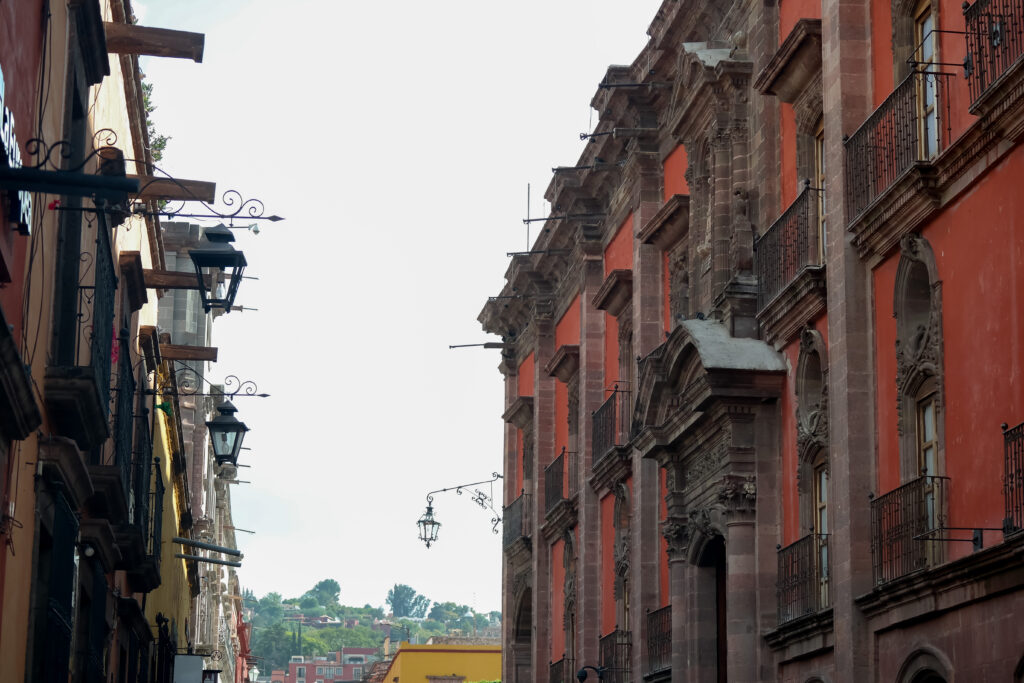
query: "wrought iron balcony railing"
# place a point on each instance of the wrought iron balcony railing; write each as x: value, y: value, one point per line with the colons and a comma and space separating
x: 574, y: 473
x: 513, y: 527
x: 995, y: 41
x: 1013, y: 478
x: 562, y: 671
x: 554, y: 481
x: 902, y: 522
x: 803, y: 584
x: 906, y: 128
x: 611, y: 423
x: 616, y: 652
x: 96, y: 317
x: 124, y: 417
x: 659, y: 639
x: 787, y: 247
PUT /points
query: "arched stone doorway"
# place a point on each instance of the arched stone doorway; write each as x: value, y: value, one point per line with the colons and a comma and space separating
x: 522, y: 641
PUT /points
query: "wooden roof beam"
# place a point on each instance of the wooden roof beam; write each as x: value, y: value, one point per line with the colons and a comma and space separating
x: 154, y: 42
x: 175, y: 190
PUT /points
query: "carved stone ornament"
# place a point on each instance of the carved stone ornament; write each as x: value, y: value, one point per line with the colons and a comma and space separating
x: 700, y: 523
x: 738, y: 494
x: 677, y: 536
x: 919, y: 338
x: 812, y: 394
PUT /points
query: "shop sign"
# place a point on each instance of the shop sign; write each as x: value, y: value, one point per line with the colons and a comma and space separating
x: 10, y: 154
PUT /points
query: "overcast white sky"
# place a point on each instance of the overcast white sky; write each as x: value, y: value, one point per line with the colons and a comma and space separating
x: 397, y: 138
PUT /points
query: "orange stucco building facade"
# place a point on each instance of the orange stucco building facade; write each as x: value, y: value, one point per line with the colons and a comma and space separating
x: 764, y: 409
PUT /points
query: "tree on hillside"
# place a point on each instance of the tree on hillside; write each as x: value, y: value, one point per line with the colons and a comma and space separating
x: 406, y: 602
x: 274, y: 644
x: 327, y: 592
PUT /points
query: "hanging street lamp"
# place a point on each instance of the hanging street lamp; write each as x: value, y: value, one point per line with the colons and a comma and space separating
x: 428, y: 525
x: 215, y: 259
x: 226, y: 434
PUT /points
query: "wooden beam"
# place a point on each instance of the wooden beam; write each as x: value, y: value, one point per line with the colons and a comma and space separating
x: 182, y: 352
x: 155, y: 42
x: 170, y: 279
x: 165, y: 188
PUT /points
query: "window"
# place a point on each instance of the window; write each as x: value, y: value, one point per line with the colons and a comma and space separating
x: 821, y: 525
x: 819, y: 184
x: 924, y: 60
x: 357, y: 672
x: 917, y: 307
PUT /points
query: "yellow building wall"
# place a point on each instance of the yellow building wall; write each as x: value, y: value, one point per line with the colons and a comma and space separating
x: 172, y: 598
x: 414, y: 663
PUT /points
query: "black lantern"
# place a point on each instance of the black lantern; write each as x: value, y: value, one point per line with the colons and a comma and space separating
x: 226, y: 434
x: 217, y: 259
x: 428, y: 526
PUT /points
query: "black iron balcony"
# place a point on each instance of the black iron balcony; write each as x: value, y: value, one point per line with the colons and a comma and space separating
x: 1013, y: 478
x: 78, y: 382
x: 787, y: 247
x: 902, y: 522
x: 110, y: 464
x: 562, y: 671
x: 803, y: 584
x: 995, y: 41
x: 905, y: 129
x: 611, y: 423
x: 513, y: 527
x: 554, y: 483
x: 659, y: 639
x: 574, y: 473
x: 616, y: 652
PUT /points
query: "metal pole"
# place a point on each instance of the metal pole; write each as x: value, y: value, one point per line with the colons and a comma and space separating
x: 207, y: 546
x: 197, y: 558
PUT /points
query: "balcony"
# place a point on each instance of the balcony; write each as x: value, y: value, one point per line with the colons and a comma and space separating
x: 905, y: 129
x: 1013, y: 479
x: 514, y: 522
x: 554, y: 483
x: 995, y: 41
x: 110, y: 466
x: 803, y: 584
x: 901, y: 523
x: 611, y: 424
x: 659, y: 640
x: 77, y: 384
x: 147, y: 516
x: 562, y: 671
x: 788, y: 247
x: 615, y: 651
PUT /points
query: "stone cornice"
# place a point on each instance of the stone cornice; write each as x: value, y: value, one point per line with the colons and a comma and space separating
x: 803, y: 636
x: 803, y: 300
x: 612, y: 468
x: 564, y: 363
x: 615, y: 293
x: 794, y: 64
x: 669, y: 225
x: 560, y: 519
x: 520, y: 413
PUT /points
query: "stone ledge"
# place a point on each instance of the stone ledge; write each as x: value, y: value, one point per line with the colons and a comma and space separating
x: 803, y: 636
x: 800, y: 302
x: 611, y: 468
x: 931, y: 592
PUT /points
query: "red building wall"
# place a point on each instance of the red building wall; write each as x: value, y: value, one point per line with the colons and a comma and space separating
x: 983, y: 325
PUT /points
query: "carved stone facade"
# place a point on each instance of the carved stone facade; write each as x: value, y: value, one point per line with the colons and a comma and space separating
x: 753, y: 477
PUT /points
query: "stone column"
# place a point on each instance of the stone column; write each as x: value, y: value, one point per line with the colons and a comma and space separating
x: 543, y: 453
x: 846, y: 95
x: 591, y: 395
x: 648, y: 333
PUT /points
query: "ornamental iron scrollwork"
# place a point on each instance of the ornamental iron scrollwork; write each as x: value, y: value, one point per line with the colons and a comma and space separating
x: 57, y: 154
x: 190, y: 382
x: 484, y: 500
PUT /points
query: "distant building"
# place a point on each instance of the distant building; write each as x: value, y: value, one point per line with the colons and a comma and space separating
x: 337, y: 667
x: 444, y: 663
